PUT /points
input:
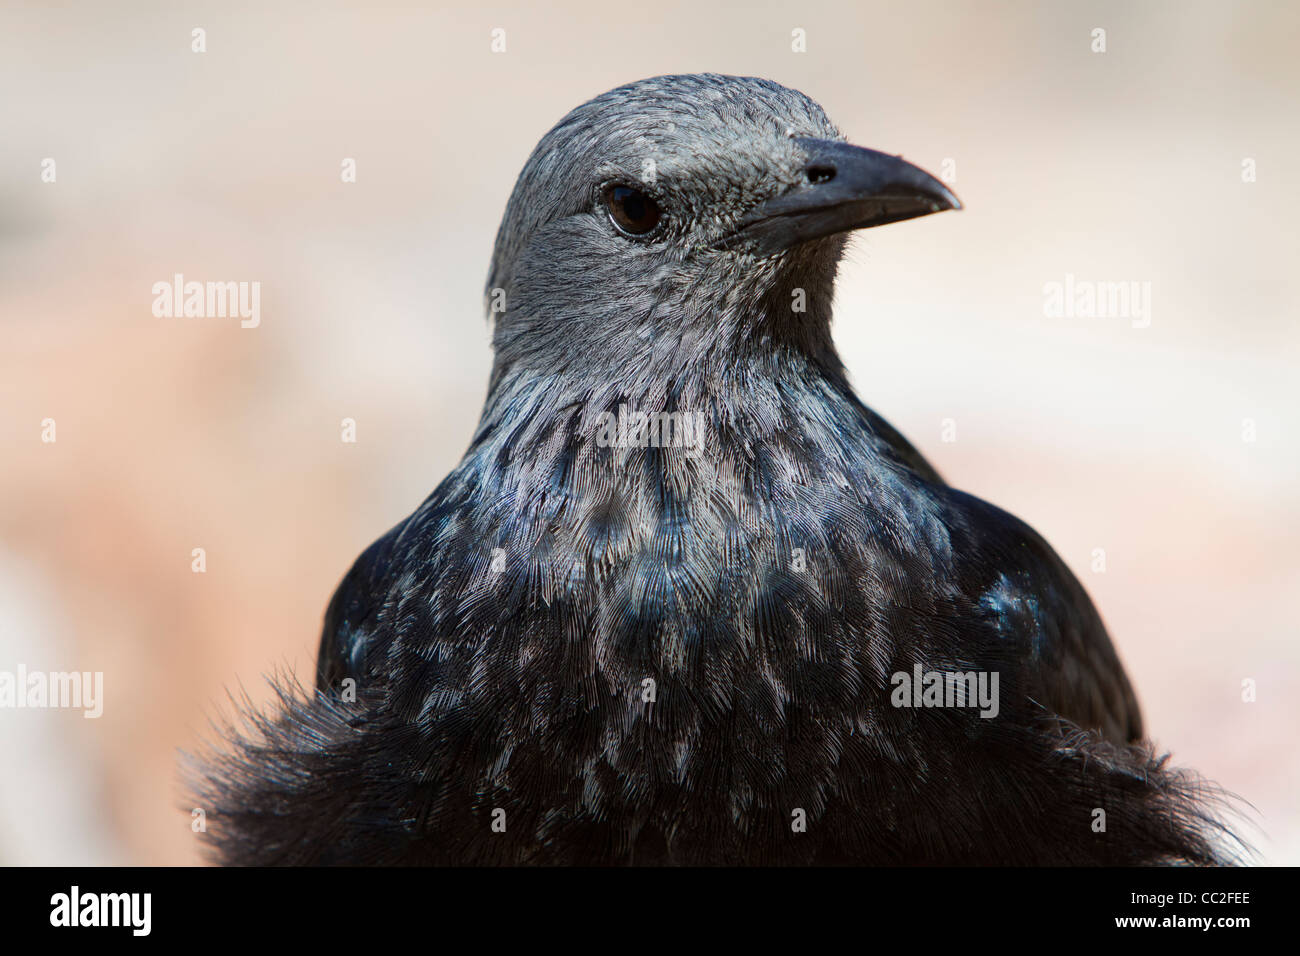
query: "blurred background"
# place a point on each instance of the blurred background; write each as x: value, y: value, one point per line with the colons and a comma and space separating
x: 1170, y: 446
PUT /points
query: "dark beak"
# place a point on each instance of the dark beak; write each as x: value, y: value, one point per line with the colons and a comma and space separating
x: 845, y: 187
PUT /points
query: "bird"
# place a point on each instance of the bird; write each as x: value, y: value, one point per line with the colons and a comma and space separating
x: 686, y: 600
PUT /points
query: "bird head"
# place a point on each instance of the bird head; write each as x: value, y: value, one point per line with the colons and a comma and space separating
x: 684, y: 220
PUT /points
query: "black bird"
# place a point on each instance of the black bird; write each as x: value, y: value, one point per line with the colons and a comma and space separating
x: 680, y: 600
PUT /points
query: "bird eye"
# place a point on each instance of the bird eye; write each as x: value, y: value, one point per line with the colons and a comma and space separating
x: 632, y: 211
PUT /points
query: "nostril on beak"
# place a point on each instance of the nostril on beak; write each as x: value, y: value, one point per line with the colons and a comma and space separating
x: 820, y: 174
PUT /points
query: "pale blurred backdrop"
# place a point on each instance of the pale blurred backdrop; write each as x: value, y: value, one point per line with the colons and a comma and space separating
x: 175, y: 434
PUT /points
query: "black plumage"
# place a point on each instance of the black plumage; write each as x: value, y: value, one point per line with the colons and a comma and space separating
x: 575, y: 652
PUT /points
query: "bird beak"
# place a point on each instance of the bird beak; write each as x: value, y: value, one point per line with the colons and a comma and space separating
x: 845, y: 187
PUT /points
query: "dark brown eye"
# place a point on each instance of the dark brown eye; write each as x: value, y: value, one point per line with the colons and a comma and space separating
x: 633, y: 212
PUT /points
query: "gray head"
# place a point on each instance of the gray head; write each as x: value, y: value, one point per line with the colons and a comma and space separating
x: 666, y: 226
